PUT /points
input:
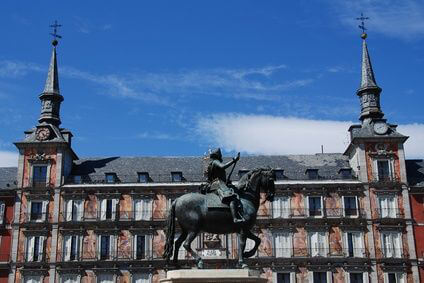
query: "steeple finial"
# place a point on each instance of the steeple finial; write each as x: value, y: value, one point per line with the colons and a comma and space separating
x: 51, y: 98
x: 369, y: 92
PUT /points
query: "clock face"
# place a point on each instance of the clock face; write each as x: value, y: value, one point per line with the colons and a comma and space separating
x: 42, y: 134
x: 380, y: 128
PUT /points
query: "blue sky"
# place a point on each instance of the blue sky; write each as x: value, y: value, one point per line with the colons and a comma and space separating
x: 179, y: 77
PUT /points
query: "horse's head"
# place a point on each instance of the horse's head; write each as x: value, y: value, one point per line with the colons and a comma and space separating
x: 260, y: 179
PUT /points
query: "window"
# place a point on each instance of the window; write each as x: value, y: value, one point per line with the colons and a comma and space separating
x: 110, y: 178
x: 142, y: 246
x: 357, y: 277
x: 354, y: 244
x: 350, y: 206
x: 391, y: 244
x: 312, y: 174
x: 141, y: 278
x: 243, y: 172
x: 39, y: 176
x: 279, y: 174
x: 37, y: 211
x: 387, y: 206
x: 143, y: 177
x: 106, y: 278
x: 283, y: 244
x: 143, y: 209
x: 77, y: 179
x: 345, y: 173
x: 71, y: 247
x: 35, y: 248
x: 108, y: 209
x: 69, y: 278
x: 384, y: 172
x: 315, y: 205
x: 394, y: 277
x: 74, y: 210
x: 283, y: 278
x: 2, y: 210
x: 281, y: 207
x: 320, y: 277
x: 32, y: 279
x: 318, y: 243
x: 177, y: 176
x: 106, y: 247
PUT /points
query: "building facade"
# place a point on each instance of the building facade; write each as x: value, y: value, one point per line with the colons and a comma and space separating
x: 336, y: 217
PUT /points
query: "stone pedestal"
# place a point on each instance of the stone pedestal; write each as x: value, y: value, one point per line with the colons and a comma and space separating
x: 213, y: 276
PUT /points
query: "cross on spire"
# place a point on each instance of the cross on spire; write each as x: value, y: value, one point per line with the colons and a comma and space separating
x: 362, y: 25
x: 54, y: 34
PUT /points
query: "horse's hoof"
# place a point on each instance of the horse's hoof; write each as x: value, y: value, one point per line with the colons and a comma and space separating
x: 200, y: 264
x: 244, y: 266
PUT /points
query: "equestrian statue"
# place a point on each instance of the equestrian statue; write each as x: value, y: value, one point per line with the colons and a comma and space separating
x: 220, y: 208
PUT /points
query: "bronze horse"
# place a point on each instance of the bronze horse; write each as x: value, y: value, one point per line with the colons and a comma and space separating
x: 194, y: 215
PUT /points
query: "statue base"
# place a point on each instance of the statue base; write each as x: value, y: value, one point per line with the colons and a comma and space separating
x: 213, y: 276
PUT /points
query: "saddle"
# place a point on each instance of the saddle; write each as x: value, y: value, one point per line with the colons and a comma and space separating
x: 214, y: 202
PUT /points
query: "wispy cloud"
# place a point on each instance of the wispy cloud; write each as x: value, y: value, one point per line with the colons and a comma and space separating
x: 156, y: 136
x: 404, y: 19
x: 86, y: 26
x: 8, y: 159
x: 264, y: 134
x: 12, y: 69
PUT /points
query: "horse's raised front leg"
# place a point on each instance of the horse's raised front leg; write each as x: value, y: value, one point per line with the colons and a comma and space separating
x: 178, y: 243
x: 253, y: 237
x: 241, y: 247
x: 187, y: 245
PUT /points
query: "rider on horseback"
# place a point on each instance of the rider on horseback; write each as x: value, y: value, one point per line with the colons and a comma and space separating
x: 219, y: 184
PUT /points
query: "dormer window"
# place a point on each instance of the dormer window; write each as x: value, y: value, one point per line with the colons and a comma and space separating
x: 279, y: 174
x: 177, y: 176
x: 77, y: 179
x: 345, y: 173
x: 242, y: 172
x: 110, y: 178
x: 312, y: 174
x: 143, y: 177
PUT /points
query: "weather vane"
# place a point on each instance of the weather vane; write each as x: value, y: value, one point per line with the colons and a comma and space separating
x: 362, y: 25
x: 54, y: 34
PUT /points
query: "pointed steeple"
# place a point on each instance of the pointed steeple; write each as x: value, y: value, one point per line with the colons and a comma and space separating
x: 51, y: 98
x: 368, y: 92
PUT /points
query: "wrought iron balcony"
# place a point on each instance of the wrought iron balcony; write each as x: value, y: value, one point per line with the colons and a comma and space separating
x: 392, y: 253
x: 35, y: 217
x: 317, y: 213
x: 377, y: 178
x: 107, y: 255
x: 119, y: 215
x: 36, y: 257
x: 389, y: 213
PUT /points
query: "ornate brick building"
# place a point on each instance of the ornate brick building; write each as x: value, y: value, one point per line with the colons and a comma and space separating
x: 336, y: 217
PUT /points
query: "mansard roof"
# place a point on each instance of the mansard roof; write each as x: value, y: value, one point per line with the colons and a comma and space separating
x: 160, y: 168
x: 415, y: 172
x: 8, y: 177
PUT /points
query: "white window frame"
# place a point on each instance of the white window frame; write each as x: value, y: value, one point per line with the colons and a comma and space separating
x: 67, y: 250
x: 292, y: 276
x: 344, y: 208
x: 148, y: 246
x: 275, y: 244
x: 394, y: 253
x: 365, y: 276
x: 391, y: 168
x: 2, y: 211
x: 400, y: 277
x: 146, y: 212
x: 391, y: 211
x: 103, y: 209
x: 329, y: 276
x: 360, y: 254
x: 322, y: 206
x: 31, y: 179
x: 30, y: 244
x: 25, y: 278
x: 69, y: 209
x: 326, y: 244
x: 113, y: 244
x: 44, y: 204
x: 78, y: 277
x: 278, y: 211
x: 98, y: 275
x: 136, y: 274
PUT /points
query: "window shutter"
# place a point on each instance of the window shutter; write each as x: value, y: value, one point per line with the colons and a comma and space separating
x: 286, y: 207
x: 2, y: 210
x: 357, y: 244
x: 114, y: 205
x: 314, y: 244
x: 69, y: 205
x: 148, y: 246
x: 67, y: 247
x: 397, y: 243
x: 278, y: 245
x: 137, y: 209
x: 276, y: 212
x: 112, y: 245
x: 41, y: 249
x: 30, y: 248
x: 43, y: 211
x: 99, y: 246
x: 103, y: 209
x: 79, y: 209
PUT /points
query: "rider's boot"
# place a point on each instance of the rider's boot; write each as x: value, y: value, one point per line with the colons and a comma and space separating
x: 235, y: 213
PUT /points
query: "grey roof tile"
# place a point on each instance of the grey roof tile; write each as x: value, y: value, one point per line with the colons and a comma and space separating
x: 415, y: 172
x: 8, y: 177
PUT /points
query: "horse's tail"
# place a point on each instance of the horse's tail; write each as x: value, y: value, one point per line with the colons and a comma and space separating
x: 170, y: 233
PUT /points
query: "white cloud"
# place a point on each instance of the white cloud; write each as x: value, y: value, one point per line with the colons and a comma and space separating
x: 13, y: 69
x: 264, y: 134
x: 8, y: 159
x: 404, y: 19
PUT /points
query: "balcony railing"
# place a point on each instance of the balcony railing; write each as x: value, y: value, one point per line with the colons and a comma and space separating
x: 315, y: 213
x: 106, y: 255
x: 389, y: 213
x: 35, y: 217
x: 36, y: 257
x: 126, y: 215
x: 384, y: 178
x: 392, y: 253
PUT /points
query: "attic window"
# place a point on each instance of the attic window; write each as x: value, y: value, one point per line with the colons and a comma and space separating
x: 242, y: 172
x: 77, y: 179
x: 312, y: 174
x: 143, y: 177
x: 279, y: 174
x: 177, y: 176
x: 345, y: 173
x: 110, y: 178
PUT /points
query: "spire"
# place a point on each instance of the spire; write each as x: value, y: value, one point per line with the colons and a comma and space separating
x: 368, y: 92
x: 51, y: 98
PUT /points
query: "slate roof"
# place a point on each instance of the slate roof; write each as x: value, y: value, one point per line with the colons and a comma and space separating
x: 415, y: 172
x: 160, y: 168
x: 367, y: 131
x: 8, y: 177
